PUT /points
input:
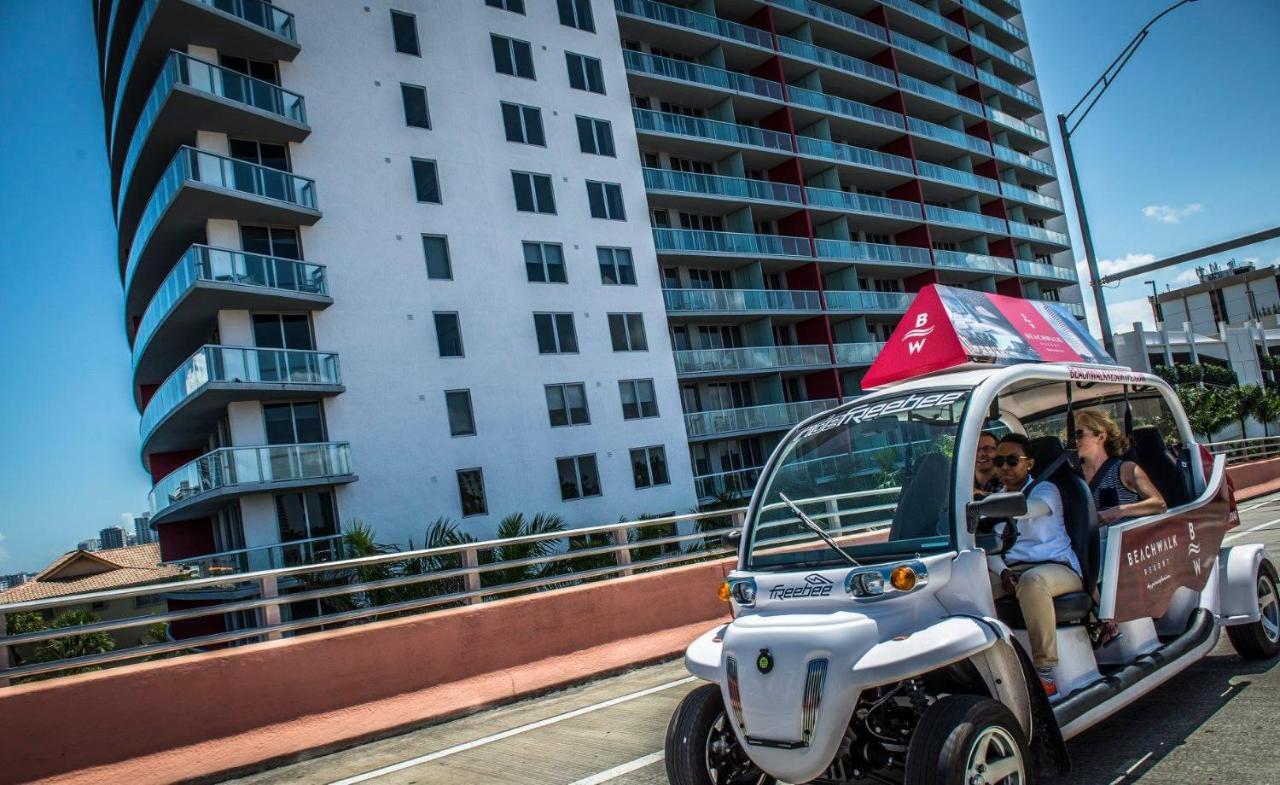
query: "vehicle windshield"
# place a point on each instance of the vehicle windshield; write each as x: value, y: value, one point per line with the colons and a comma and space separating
x: 877, y: 477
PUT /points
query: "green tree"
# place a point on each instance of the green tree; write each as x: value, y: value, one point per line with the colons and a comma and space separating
x: 71, y: 646
x: 1267, y: 408
x: 1207, y: 408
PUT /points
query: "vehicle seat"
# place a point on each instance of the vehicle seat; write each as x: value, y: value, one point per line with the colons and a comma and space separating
x: 1082, y: 527
x: 1150, y: 453
x: 921, y: 506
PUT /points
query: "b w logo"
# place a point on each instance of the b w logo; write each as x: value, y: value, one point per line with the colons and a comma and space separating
x: 921, y: 331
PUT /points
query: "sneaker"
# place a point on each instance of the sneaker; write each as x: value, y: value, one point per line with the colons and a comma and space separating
x: 1046, y: 681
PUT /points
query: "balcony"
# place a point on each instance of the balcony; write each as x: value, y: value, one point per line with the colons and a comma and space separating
x: 863, y: 353
x: 250, y: 28
x: 866, y: 301
x: 834, y: 17
x: 666, y: 68
x: 836, y: 60
x: 932, y: 54
x: 995, y: 20
x: 1038, y: 234
x: 741, y: 301
x: 191, y: 95
x: 198, y: 488
x: 186, y: 407
x: 844, y: 107
x: 683, y: 18
x: 1026, y: 195
x: 1018, y: 126
x: 714, y: 131
x: 964, y: 219
x: 734, y: 484
x: 313, y: 550
x: 1075, y: 309
x: 896, y: 210
x: 858, y: 156
x: 957, y: 177
x: 1020, y: 68
x: 697, y: 242
x: 768, y: 417
x: 1016, y: 158
x: 1050, y: 271
x: 872, y: 254
x: 931, y: 18
x: 196, y: 186
x: 748, y: 359
x: 974, y: 262
x: 690, y: 188
x: 1010, y: 90
x: 206, y: 280
x: 950, y: 136
x: 941, y: 94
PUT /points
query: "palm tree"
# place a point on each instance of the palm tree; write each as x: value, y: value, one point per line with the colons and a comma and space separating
x: 1267, y: 409
x: 1207, y: 408
x: 514, y: 526
x: 1244, y: 404
x: 72, y: 645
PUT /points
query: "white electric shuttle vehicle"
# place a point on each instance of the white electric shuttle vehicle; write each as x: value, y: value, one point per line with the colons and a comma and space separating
x: 865, y: 644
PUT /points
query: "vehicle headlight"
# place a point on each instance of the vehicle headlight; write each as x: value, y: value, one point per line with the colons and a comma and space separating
x: 865, y: 584
x: 743, y: 591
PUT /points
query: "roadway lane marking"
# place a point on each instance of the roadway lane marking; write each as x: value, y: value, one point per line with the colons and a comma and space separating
x: 617, y: 771
x: 506, y: 734
x: 1251, y: 529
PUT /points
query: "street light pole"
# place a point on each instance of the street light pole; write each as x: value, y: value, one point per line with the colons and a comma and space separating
x: 1155, y: 303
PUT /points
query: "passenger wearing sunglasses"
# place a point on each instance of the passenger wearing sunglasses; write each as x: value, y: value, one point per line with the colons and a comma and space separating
x: 1041, y: 564
x: 1121, y: 489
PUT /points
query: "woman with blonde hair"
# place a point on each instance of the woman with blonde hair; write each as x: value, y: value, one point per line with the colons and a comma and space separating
x: 1121, y: 489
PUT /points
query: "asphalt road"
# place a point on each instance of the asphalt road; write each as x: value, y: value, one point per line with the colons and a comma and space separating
x: 1215, y: 723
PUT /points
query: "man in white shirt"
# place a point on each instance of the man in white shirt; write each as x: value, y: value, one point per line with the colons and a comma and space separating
x: 1041, y: 564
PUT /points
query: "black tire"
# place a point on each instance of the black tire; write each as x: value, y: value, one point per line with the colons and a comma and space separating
x: 698, y: 723
x: 947, y: 735
x: 1260, y: 640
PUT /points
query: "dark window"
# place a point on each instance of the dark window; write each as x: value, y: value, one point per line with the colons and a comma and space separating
x: 585, y: 73
x: 567, y: 404
x: 595, y: 136
x: 616, y: 267
x: 265, y: 70
x: 275, y: 156
x: 270, y: 241
x: 436, y: 249
x: 605, y: 200
x: 578, y: 477
x: 523, y: 124
x: 556, y: 334
x: 448, y: 334
x: 303, y: 516
x: 282, y: 331
x: 471, y: 492
x: 405, y: 29
x: 638, y: 400
x: 425, y: 182
x: 576, y: 13
x: 461, y: 420
x: 293, y: 423
x: 514, y: 6
x: 512, y: 57
x: 627, y: 332
x: 649, y: 466
x: 533, y: 193
x: 416, y: 113
x: 544, y: 262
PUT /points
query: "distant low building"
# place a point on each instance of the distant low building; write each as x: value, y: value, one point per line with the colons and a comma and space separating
x: 16, y: 579
x: 92, y: 544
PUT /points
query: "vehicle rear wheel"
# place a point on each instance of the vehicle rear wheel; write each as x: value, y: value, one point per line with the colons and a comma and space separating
x: 701, y: 747
x: 968, y: 740
x: 1260, y: 640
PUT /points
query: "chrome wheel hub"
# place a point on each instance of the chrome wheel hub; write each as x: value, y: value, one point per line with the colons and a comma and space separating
x: 1268, y: 607
x: 994, y: 759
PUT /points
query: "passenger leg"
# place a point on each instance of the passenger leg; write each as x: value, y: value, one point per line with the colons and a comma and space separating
x: 1036, y: 589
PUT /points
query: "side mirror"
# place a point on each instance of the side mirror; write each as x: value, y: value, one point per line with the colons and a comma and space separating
x: 997, y: 505
x: 731, y: 539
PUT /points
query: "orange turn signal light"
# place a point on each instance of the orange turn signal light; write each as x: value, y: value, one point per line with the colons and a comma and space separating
x: 903, y: 578
x: 723, y: 592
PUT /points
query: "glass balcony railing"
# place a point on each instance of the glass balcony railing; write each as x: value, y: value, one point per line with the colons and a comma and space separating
x: 844, y: 107
x: 739, y: 300
x: 992, y: 18
x: 1010, y: 156
x: 224, y: 266
x: 1037, y: 233
x: 949, y: 135
x: 863, y: 203
x: 834, y: 16
x: 940, y: 94
x: 734, y: 484
x: 966, y: 219
x: 1002, y: 54
x: 753, y: 418
x: 1042, y: 270
x: 1076, y: 309
x: 974, y: 261
x: 736, y: 243
x: 957, y: 177
x: 702, y: 128
x: 1027, y: 195
x: 751, y: 358
x: 858, y: 353
x: 1021, y: 126
x: 849, y: 250
x: 211, y: 169
x: 932, y: 53
x: 670, y: 68
x: 929, y: 17
x: 692, y: 20
x: 821, y: 148
x: 715, y: 185
x: 837, y: 60
x: 225, y: 468
x: 241, y: 366
x: 1008, y: 88
x: 216, y: 81
x: 866, y: 300
x: 313, y: 550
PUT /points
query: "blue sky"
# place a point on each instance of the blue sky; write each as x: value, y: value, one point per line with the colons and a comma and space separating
x: 1181, y: 152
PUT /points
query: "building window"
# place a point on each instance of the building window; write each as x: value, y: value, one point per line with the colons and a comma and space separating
x: 416, y: 113
x: 405, y: 29
x: 605, y: 200
x: 555, y: 333
x: 577, y: 13
x: 275, y: 156
x: 638, y: 400
x: 461, y: 419
x: 425, y: 182
x: 579, y: 477
x: 271, y: 241
x: 523, y: 124
x: 307, y: 516
x: 436, y: 249
x: 544, y: 263
x: 283, y: 331
x: 595, y: 136
x: 448, y: 334
x: 144, y: 600
x: 627, y: 332
x: 533, y: 193
x: 514, y: 6
x: 567, y: 404
x: 512, y: 57
x: 300, y: 422
x: 471, y: 492
x: 585, y: 73
x: 649, y: 466
x: 616, y: 267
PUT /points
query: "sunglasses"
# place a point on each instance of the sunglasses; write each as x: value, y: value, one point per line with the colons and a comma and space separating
x: 1007, y: 460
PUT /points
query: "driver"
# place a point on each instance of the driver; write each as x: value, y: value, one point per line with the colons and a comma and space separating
x: 1040, y: 565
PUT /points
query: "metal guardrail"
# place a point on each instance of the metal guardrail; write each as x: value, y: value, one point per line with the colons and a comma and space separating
x: 1245, y: 450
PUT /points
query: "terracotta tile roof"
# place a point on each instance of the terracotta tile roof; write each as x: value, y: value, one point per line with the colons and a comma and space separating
x: 117, y: 568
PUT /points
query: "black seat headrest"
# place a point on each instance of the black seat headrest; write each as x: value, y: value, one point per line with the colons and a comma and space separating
x: 1044, y: 450
x: 1147, y: 440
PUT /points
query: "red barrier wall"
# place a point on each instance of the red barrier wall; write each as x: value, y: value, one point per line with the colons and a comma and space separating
x: 1255, y: 479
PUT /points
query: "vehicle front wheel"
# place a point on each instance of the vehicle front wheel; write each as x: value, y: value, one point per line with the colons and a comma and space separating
x: 968, y: 740
x: 1260, y: 640
x: 701, y: 747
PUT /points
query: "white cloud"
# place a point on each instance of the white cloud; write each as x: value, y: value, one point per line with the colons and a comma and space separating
x: 1112, y: 266
x: 1124, y: 313
x: 1185, y: 278
x: 1167, y: 214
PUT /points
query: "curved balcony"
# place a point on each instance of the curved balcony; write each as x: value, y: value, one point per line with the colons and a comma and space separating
x: 1017, y: 126
x: 937, y: 21
x: 1017, y: 67
x: 249, y: 28
x: 857, y: 156
x: 1006, y: 27
x: 863, y: 353
x: 675, y: 16
x: 688, y: 189
x: 200, y: 487
x: 702, y: 130
x: 957, y: 177
x: 872, y: 254
x: 735, y: 484
x: 1038, y: 234
x: 697, y: 242
x: 963, y: 219
x: 975, y: 263
x: 199, y: 185
x: 1011, y: 156
x: 891, y: 123
x: 191, y: 95
x: 750, y: 359
x: 747, y: 419
x: 864, y: 301
x: 834, y: 17
x: 185, y: 408
x: 741, y: 301
x: 667, y: 69
x: 892, y: 212
x: 941, y: 95
x: 292, y: 553
x: 1051, y: 272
